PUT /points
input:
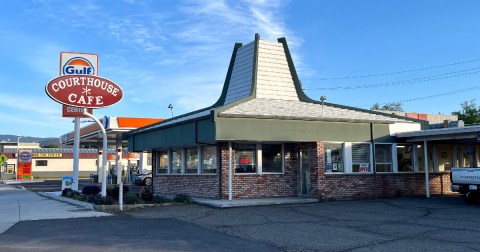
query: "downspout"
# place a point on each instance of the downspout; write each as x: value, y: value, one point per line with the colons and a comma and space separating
x: 230, y: 170
x: 425, y: 157
x: 373, y: 148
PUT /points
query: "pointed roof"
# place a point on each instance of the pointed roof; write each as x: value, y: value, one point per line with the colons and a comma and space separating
x: 262, y: 82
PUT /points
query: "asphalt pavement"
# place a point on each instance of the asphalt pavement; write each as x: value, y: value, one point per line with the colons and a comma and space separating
x: 18, y: 205
x: 394, y: 224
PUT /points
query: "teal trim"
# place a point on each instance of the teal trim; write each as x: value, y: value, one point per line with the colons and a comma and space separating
x: 303, y: 97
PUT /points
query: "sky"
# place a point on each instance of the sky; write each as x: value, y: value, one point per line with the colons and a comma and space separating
x: 422, y: 53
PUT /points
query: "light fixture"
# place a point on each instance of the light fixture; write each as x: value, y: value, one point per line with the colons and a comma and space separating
x: 170, y: 106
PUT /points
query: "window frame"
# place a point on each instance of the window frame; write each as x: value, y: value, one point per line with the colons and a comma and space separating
x: 185, y: 151
x: 370, y: 158
x: 384, y: 163
x: 201, y: 166
x: 42, y: 160
x: 282, y: 154
x: 343, y: 152
x: 255, y: 158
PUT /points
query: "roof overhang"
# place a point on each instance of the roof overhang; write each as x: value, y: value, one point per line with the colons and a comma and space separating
x: 470, y: 133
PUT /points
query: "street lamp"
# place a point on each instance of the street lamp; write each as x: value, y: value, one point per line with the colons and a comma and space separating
x: 170, y: 106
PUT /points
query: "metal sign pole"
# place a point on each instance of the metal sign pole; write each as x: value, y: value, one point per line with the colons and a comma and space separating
x: 104, y: 154
x: 76, y: 153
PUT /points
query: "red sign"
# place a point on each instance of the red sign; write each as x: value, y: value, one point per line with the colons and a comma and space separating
x: 85, y: 91
x: 68, y: 111
x: 24, y: 164
x: 244, y: 160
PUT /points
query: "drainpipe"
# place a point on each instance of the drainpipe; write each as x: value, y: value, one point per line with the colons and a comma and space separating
x: 373, y: 148
x: 425, y: 157
x: 229, y: 170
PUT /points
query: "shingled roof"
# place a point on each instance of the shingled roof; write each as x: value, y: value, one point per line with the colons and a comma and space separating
x: 262, y: 83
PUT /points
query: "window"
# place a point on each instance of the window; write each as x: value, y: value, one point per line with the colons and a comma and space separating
x: 272, y: 158
x: 149, y: 159
x: 177, y: 163
x: 191, y: 160
x: 209, y: 159
x: 334, y: 157
x: 360, y: 157
x: 245, y: 158
x: 163, y: 162
x: 383, y: 158
x: 41, y: 162
x: 405, y: 157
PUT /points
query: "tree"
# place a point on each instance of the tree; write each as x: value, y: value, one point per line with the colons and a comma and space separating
x: 470, y: 113
x: 392, y: 106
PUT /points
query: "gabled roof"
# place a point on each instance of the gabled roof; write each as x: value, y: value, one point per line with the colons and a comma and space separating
x: 262, y: 82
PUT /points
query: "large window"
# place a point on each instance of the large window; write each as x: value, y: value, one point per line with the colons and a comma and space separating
x: 41, y: 162
x: 177, y: 161
x: 383, y: 158
x: 163, y: 162
x: 191, y: 160
x: 209, y: 159
x: 272, y: 158
x: 405, y: 157
x: 361, y: 157
x: 334, y: 157
x: 245, y: 158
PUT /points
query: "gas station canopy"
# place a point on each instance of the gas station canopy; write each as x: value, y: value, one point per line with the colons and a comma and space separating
x: 114, y: 126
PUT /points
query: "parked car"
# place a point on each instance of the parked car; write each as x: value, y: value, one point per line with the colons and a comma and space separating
x: 143, y: 179
x: 466, y: 181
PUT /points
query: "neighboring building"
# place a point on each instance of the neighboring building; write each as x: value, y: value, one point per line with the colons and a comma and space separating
x: 265, y: 138
x: 435, y: 121
x: 57, y: 162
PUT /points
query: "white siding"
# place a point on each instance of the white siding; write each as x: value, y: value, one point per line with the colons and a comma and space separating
x: 274, y: 80
x: 403, y: 127
x: 241, y: 80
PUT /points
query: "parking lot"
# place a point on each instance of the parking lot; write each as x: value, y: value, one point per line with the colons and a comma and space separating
x: 399, y: 224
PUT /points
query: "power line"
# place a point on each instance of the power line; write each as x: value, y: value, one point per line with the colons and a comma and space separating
x: 403, y: 82
x: 396, y: 72
x: 432, y: 96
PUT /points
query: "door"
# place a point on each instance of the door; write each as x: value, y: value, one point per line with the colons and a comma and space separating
x: 304, y: 173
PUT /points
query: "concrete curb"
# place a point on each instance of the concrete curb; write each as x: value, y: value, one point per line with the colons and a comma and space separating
x: 67, y: 200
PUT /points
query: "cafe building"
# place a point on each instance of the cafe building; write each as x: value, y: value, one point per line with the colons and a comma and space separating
x: 265, y: 138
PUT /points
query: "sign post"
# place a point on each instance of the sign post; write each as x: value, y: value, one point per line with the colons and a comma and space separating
x: 85, y: 91
x: 77, y: 63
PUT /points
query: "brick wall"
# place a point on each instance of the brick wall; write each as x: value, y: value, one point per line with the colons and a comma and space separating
x: 265, y: 185
x: 202, y: 186
x: 357, y: 186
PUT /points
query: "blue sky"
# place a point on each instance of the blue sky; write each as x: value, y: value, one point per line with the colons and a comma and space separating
x: 425, y: 53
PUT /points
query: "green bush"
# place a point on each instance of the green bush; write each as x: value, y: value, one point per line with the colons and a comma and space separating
x: 182, y: 198
x: 160, y: 200
x: 69, y: 193
x: 132, y: 198
x: 91, y: 190
x: 113, y: 192
x: 99, y: 200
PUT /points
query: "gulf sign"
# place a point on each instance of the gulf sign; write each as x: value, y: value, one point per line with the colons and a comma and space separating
x: 78, y: 65
x: 84, y: 91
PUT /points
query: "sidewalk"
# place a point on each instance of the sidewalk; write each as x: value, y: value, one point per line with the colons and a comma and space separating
x: 21, y: 205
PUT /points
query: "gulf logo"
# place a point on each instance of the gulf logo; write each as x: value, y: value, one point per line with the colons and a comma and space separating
x: 78, y: 65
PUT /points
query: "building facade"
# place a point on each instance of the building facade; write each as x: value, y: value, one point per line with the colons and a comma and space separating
x: 265, y: 138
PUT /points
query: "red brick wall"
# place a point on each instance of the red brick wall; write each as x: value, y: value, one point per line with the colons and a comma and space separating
x: 326, y: 186
x: 265, y: 185
x: 356, y: 186
x: 202, y: 186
